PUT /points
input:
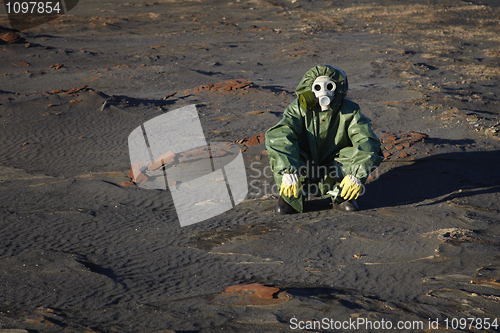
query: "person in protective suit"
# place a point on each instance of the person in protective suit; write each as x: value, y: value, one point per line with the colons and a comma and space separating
x: 323, y: 145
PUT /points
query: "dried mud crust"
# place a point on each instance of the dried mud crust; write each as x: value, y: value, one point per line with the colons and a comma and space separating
x: 398, y: 143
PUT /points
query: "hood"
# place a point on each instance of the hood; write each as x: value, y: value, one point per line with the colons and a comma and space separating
x: 337, y: 75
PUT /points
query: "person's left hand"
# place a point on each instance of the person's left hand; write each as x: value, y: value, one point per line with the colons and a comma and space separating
x: 351, y: 187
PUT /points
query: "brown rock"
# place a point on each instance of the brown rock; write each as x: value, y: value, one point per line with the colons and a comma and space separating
x: 399, y: 147
x: 21, y: 64
x: 262, y: 138
x: 389, y: 147
x: 57, y: 66
x: 398, y: 138
x: 253, y: 141
x: 169, y: 95
x: 232, y: 84
x: 403, y: 154
x: 256, y: 112
x: 418, y: 136
x: 141, y: 178
x: 11, y: 38
x: 387, y: 154
x: 223, y: 118
x: 74, y: 90
x: 225, y: 86
x: 164, y: 159
x: 254, y: 294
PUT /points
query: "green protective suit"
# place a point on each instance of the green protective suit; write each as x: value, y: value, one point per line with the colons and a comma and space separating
x: 323, y: 146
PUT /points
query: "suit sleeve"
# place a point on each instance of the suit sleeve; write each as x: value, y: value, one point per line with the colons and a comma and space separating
x: 282, y: 141
x: 364, y: 154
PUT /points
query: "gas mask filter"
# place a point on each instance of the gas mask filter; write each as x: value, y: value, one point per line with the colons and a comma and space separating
x: 324, y: 89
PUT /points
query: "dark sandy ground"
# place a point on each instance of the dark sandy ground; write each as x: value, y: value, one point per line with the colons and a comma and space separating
x: 81, y: 251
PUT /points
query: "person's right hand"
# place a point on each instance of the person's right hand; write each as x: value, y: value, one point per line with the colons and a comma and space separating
x: 290, y: 185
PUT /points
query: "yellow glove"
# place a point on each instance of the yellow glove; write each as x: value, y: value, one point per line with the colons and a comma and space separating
x: 290, y: 185
x: 351, y: 187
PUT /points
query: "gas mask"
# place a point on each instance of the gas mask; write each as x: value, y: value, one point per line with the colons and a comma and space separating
x: 324, y: 89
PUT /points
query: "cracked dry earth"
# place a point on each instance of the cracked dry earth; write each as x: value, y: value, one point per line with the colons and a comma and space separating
x: 84, y: 249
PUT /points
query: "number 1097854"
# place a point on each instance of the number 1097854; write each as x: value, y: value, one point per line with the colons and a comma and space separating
x: 33, y: 7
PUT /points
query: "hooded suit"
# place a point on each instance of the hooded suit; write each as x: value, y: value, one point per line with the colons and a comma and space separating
x: 323, y: 146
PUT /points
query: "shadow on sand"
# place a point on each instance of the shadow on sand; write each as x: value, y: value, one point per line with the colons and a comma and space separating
x: 433, y: 177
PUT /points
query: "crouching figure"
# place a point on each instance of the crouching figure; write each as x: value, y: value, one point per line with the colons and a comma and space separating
x: 323, y: 146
